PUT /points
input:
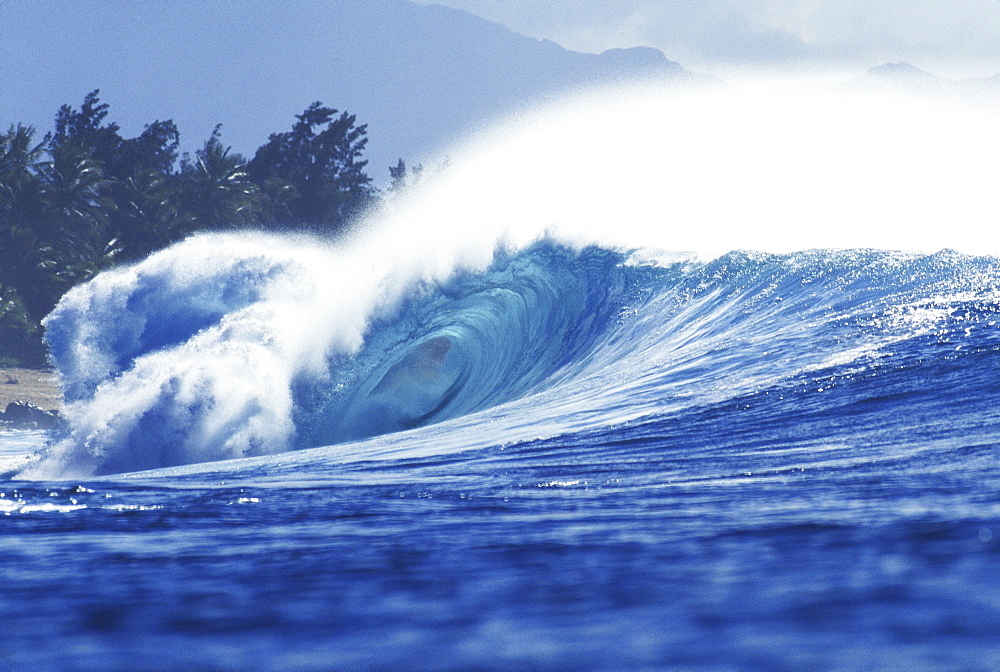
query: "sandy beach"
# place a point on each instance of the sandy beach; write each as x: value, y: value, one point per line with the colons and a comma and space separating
x: 35, y: 386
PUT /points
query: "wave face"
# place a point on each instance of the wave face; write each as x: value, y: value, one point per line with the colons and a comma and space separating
x: 506, y: 283
x: 222, y: 348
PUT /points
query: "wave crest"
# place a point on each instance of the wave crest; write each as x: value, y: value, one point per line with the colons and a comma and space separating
x: 224, y: 348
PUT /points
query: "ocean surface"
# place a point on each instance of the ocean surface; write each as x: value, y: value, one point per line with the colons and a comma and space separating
x: 761, y: 462
x: 535, y: 454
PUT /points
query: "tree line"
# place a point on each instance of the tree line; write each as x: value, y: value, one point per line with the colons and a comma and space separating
x: 83, y: 198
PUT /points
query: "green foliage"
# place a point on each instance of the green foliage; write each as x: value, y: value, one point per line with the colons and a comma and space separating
x: 216, y: 190
x: 145, y: 216
x: 80, y: 131
x: 84, y: 198
x: 18, y: 333
x: 25, y: 214
x: 323, y: 167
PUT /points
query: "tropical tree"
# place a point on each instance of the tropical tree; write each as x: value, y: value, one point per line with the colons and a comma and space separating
x: 52, y: 231
x: 83, y: 198
x: 76, y: 240
x: 19, y: 334
x: 154, y: 150
x: 145, y: 217
x: 320, y: 158
x: 402, y: 176
x: 24, y: 213
x: 216, y: 190
x: 81, y: 132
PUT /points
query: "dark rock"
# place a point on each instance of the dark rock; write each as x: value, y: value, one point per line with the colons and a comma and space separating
x: 23, y: 415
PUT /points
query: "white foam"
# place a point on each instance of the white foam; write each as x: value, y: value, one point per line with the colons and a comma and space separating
x: 775, y: 166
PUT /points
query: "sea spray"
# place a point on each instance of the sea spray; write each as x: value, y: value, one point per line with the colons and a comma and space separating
x: 583, y: 337
x: 225, y: 347
x: 190, y: 354
x: 774, y: 166
x: 241, y: 345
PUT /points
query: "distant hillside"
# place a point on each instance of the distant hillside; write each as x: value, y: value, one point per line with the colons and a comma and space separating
x: 906, y: 77
x: 418, y: 75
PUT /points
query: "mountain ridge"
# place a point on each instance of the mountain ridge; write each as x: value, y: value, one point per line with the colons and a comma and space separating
x: 419, y: 76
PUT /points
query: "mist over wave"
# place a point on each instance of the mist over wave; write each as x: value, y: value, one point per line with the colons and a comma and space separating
x: 770, y: 165
x: 566, y: 272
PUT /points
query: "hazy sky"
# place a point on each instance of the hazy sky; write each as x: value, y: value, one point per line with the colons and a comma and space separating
x: 948, y: 37
x: 253, y: 64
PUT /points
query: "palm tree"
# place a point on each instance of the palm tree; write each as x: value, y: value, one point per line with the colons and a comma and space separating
x: 146, y: 217
x: 23, y: 213
x: 20, y: 336
x: 77, y: 225
x: 216, y: 190
x: 321, y: 159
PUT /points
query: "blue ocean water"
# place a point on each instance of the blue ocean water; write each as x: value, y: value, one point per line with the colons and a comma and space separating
x: 565, y: 457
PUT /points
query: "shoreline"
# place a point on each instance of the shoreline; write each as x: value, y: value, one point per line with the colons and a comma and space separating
x: 34, y: 386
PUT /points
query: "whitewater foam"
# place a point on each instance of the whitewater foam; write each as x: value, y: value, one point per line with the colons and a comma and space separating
x: 769, y: 166
x: 241, y: 345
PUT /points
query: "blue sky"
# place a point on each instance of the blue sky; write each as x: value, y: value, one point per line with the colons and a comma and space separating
x: 950, y: 38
